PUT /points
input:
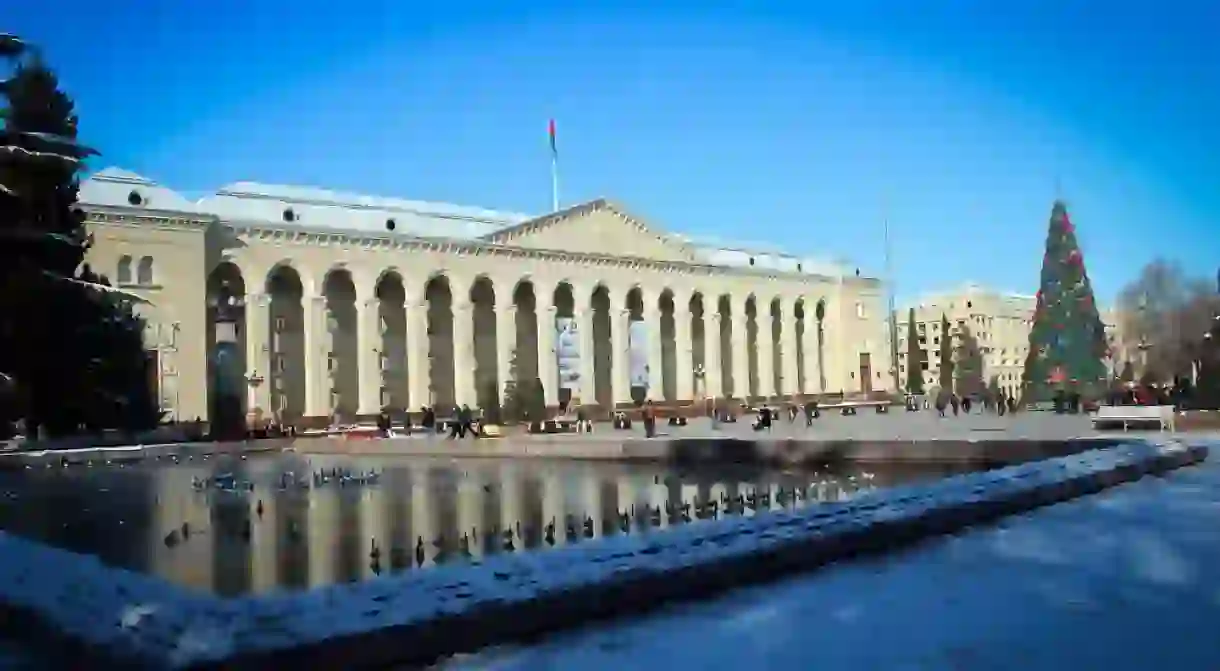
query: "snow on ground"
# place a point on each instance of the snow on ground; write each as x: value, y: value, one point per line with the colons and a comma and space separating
x: 1128, y: 579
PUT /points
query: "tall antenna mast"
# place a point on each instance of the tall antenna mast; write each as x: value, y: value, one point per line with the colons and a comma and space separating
x: 889, y: 286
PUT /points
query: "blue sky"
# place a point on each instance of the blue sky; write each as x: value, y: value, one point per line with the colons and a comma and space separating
x: 800, y: 125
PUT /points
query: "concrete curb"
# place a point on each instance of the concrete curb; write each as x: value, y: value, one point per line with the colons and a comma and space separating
x: 72, y: 604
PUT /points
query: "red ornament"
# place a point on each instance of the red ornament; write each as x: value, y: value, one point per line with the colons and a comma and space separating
x: 1057, y: 375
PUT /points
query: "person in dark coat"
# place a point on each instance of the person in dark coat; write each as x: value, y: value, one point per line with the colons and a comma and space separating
x: 942, y: 401
x: 955, y: 402
x: 649, y: 414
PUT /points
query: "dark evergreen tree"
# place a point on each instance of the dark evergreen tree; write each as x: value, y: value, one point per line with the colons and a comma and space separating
x: 1128, y: 373
x: 915, y: 357
x: 1067, y: 343
x: 946, y: 355
x: 75, y: 352
x: 968, y: 365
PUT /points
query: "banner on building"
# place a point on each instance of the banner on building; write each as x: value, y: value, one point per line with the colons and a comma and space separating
x: 637, y: 357
x: 567, y: 353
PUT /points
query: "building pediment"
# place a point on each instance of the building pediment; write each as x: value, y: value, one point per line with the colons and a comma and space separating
x: 596, y: 227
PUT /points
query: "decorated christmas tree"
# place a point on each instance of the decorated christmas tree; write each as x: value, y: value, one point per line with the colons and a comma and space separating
x: 1067, y: 343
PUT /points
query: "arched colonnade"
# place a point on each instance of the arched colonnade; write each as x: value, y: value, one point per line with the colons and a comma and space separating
x: 341, y: 346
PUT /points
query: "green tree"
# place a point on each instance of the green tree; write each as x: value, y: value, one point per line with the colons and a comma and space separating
x: 1067, y: 343
x: 915, y: 357
x: 946, y: 355
x: 73, y: 347
x: 968, y: 365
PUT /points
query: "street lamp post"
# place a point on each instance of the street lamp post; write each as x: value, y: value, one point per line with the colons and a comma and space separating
x: 228, y: 419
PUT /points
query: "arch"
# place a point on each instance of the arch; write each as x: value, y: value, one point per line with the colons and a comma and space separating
x: 286, y: 377
x: 636, y: 348
x: 525, y: 397
x: 439, y: 297
x: 227, y: 364
x: 603, y: 348
x: 568, y: 350
x: 390, y: 291
x: 395, y: 278
x: 698, y: 345
x: 144, y: 271
x: 724, y: 312
x: 798, y: 323
x: 819, y: 314
x: 563, y: 299
x: 342, y: 358
x: 752, y: 378
x: 123, y: 272
x: 776, y: 334
x: 667, y: 331
x: 486, y: 370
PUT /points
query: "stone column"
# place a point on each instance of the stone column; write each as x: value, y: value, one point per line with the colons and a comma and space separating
x: 547, y: 361
x: 766, y: 349
x: 317, y: 379
x: 790, y: 367
x: 741, y: 354
x: 809, y: 345
x: 506, y: 343
x: 586, y: 352
x: 684, y: 352
x: 713, y: 376
x: 620, y: 365
x: 258, y: 352
x: 463, y: 354
x: 418, y: 373
x: 368, y: 356
x: 656, y: 360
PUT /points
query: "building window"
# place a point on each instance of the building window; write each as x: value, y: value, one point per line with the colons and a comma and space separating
x: 860, y: 310
x: 124, y: 272
x: 386, y: 399
x: 923, y: 365
x: 144, y: 271
x: 331, y: 363
x: 279, y: 364
x: 135, y: 199
x: 281, y: 324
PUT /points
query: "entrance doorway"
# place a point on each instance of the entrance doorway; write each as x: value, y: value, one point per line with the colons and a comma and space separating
x: 866, y: 373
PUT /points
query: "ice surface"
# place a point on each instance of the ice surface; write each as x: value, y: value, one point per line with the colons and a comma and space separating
x: 131, y: 617
x: 1128, y: 579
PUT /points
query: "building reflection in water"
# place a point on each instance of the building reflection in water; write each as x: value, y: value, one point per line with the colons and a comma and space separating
x: 290, y: 522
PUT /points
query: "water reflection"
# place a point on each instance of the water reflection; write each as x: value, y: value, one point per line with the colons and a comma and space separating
x: 235, y: 526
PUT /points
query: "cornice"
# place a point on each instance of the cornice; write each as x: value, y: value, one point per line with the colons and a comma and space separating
x: 264, y: 232
x: 99, y: 214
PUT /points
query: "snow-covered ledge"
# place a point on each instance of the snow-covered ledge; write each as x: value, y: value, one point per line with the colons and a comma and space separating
x: 96, y: 616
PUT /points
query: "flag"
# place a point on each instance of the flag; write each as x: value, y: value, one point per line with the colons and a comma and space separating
x: 554, y: 149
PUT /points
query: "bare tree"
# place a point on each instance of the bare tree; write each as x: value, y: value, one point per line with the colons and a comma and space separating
x: 1169, y: 312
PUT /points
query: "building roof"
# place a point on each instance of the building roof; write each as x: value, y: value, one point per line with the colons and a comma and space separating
x: 115, y: 187
x: 315, y: 208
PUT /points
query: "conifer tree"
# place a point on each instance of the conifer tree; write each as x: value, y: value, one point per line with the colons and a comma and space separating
x: 915, y: 357
x: 946, y: 355
x: 1067, y: 342
x: 74, y: 349
x: 968, y: 365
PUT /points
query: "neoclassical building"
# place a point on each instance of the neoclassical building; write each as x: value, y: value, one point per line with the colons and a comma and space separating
x: 352, y: 303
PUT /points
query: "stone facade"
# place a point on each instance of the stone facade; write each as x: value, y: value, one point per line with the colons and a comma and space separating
x: 354, y: 303
x: 1000, y: 322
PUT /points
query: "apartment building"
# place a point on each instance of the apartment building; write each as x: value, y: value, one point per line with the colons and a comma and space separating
x: 1000, y: 322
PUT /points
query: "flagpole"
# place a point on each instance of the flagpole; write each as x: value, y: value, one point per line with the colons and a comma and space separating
x: 554, y: 182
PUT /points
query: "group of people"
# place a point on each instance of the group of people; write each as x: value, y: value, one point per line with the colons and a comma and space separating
x: 464, y: 422
x: 767, y: 416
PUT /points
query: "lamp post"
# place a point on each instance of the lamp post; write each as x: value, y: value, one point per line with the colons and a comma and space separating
x: 228, y: 418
